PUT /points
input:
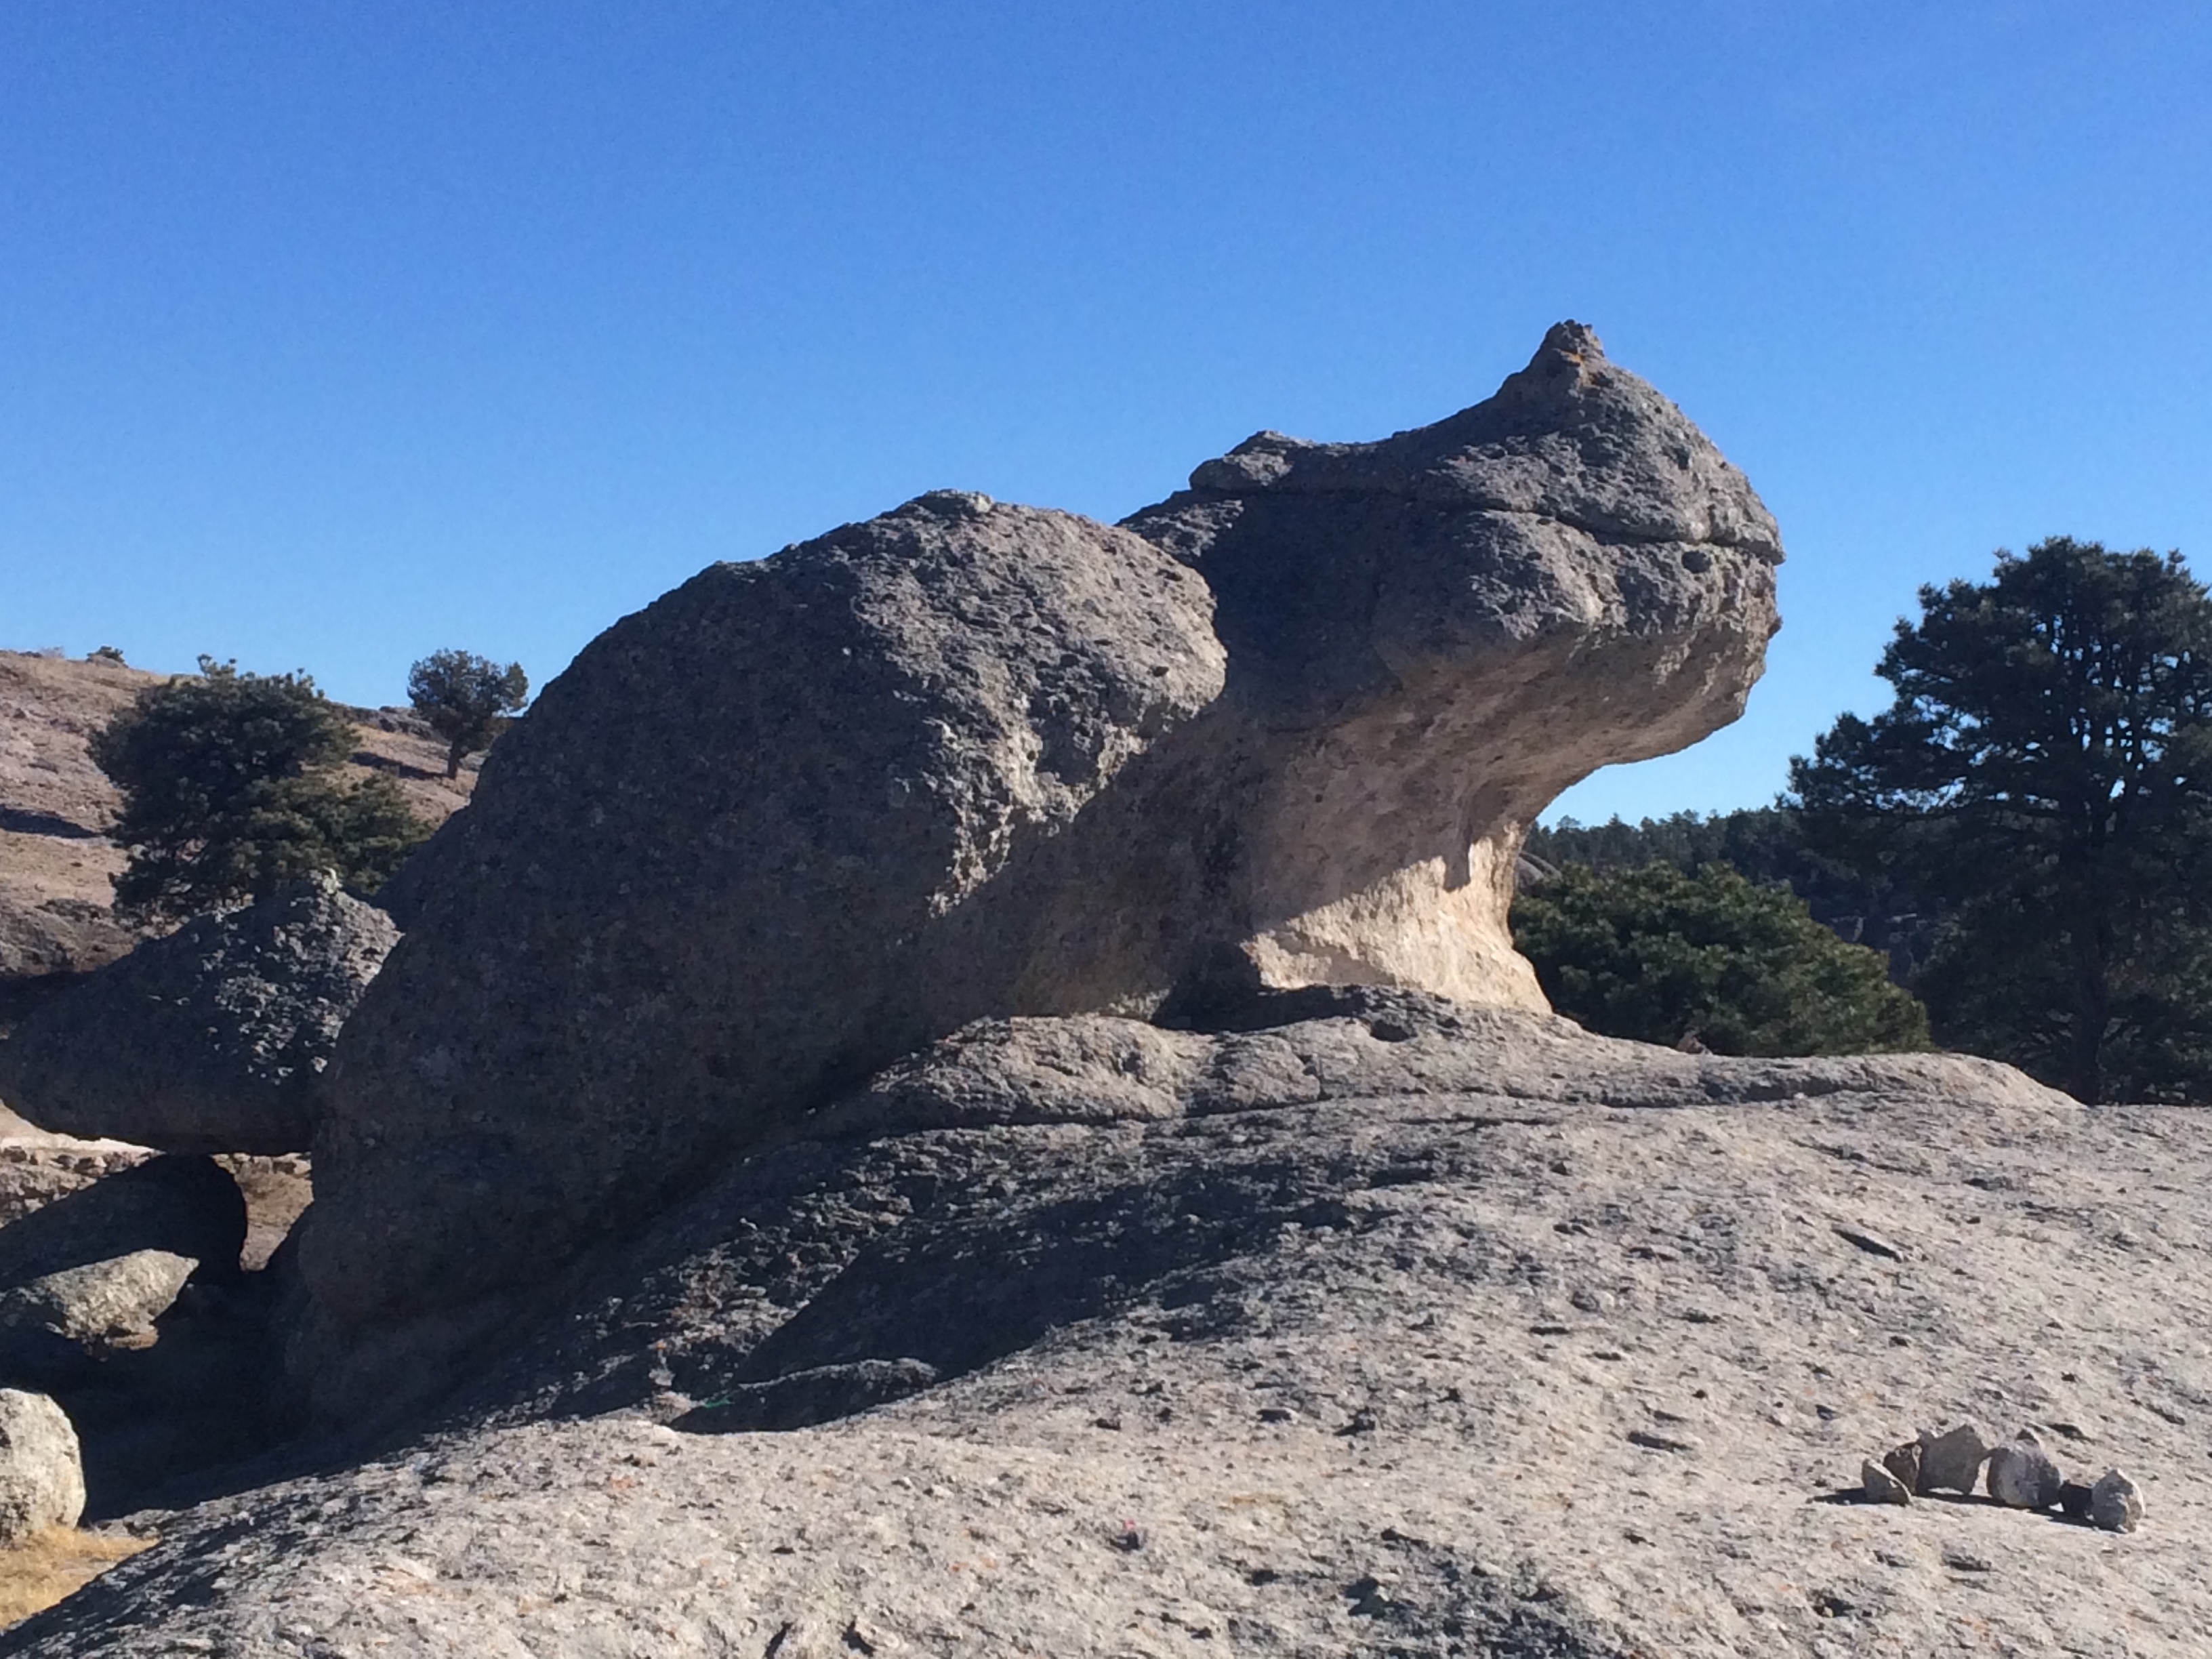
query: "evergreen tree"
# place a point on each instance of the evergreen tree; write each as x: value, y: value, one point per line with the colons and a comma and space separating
x: 467, y: 700
x: 229, y: 792
x: 1766, y: 844
x: 2044, y: 773
x: 1709, y: 960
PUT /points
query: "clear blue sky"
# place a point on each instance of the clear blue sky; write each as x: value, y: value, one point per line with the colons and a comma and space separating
x: 334, y: 333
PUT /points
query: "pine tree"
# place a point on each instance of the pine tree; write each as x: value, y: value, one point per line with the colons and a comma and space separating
x: 2045, y: 774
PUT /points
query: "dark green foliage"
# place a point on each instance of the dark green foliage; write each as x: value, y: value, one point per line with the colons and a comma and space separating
x: 466, y: 699
x: 1766, y: 844
x: 1713, y: 958
x: 2044, y: 775
x: 229, y: 792
x: 1761, y: 842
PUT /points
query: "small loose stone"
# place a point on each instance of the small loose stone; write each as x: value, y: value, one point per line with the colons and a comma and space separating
x: 2115, y: 1501
x: 1952, y: 1460
x: 1903, y: 1462
x: 1881, y: 1485
x: 2022, y: 1475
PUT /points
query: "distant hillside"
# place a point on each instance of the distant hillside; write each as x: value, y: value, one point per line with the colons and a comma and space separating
x: 55, y: 804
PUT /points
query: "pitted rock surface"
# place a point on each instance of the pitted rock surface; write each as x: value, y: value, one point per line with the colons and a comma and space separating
x: 41, y: 1484
x: 1574, y: 1363
x: 800, y: 817
x: 211, y: 1039
x: 1430, y: 635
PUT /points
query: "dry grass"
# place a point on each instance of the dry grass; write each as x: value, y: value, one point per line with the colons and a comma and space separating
x: 37, y: 1572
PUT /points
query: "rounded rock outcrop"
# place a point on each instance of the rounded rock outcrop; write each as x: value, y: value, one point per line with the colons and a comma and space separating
x: 802, y: 816
x: 41, y: 1475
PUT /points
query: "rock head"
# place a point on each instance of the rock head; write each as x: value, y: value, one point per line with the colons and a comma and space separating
x: 1432, y: 635
x: 801, y: 815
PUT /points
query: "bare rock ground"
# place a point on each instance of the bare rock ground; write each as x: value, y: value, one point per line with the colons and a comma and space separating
x: 1583, y: 1362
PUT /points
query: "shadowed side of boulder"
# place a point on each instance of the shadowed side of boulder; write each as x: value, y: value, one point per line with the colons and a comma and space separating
x: 212, y: 1039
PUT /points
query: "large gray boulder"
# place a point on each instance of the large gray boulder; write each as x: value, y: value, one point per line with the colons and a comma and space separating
x: 41, y: 1478
x: 212, y: 1039
x: 726, y: 862
x: 799, y: 816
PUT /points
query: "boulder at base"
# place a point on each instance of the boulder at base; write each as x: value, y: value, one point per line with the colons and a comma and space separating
x: 969, y: 759
x: 41, y: 1482
x: 89, y: 1274
x: 212, y: 1039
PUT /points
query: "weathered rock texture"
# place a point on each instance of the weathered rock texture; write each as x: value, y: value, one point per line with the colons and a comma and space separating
x: 1430, y: 636
x: 799, y: 817
x: 1466, y: 1333
x: 212, y: 1039
x: 55, y: 1328
x: 40, y: 1482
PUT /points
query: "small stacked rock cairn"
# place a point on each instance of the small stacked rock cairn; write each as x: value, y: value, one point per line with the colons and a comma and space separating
x: 2018, y: 1472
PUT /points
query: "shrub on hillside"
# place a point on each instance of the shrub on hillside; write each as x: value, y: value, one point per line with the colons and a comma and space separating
x: 1708, y: 959
x: 230, y: 792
